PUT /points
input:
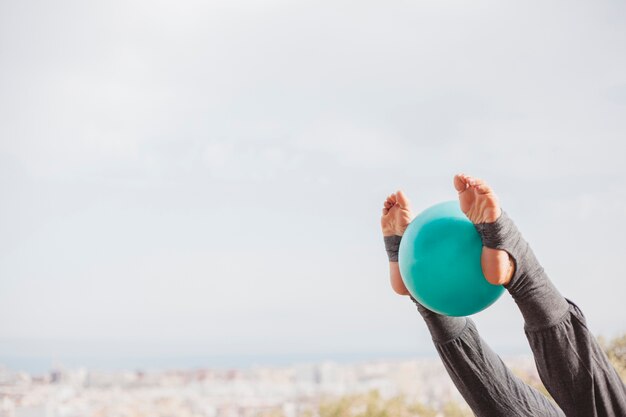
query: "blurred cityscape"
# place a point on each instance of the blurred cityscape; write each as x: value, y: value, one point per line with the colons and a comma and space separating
x: 318, y: 389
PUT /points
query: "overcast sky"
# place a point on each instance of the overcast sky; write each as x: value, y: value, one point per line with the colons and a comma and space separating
x: 205, y: 178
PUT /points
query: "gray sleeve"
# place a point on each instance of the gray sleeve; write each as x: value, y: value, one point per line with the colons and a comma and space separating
x: 484, y: 381
x: 571, y: 364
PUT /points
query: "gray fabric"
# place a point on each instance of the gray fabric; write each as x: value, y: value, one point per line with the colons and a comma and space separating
x: 486, y: 383
x: 575, y: 370
x: 572, y: 366
x: 392, y: 246
x: 535, y: 295
x: 442, y: 328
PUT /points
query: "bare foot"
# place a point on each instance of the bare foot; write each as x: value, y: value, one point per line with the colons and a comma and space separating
x: 396, y: 217
x: 396, y: 214
x: 481, y: 205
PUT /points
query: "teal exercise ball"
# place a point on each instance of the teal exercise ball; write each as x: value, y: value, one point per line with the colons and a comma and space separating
x: 439, y: 261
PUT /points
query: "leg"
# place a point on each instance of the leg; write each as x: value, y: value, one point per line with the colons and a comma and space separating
x: 571, y: 364
x: 485, y: 382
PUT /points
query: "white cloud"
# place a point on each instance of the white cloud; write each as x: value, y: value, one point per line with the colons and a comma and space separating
x: 351, y: 144
x: 263, y: 115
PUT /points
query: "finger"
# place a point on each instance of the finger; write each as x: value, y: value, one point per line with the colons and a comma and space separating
x: 388, y: 204
x: 385, y: 211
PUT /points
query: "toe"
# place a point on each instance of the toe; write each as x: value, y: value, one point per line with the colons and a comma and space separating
x: 484, y: 189
x: 459, y: 182
x: 475, y: 182
x: 402, y: 199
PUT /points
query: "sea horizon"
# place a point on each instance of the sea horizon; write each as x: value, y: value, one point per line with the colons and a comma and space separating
x: 43, y: 364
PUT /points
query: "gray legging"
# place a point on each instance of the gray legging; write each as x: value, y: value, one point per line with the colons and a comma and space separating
x: 572, y: 366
